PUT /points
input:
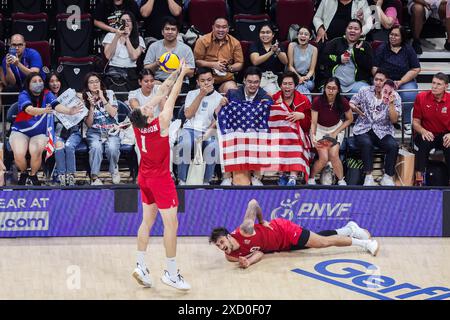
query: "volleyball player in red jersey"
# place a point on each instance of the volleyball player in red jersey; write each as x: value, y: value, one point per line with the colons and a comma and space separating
x: 154, y: 179
x: 248, y: 243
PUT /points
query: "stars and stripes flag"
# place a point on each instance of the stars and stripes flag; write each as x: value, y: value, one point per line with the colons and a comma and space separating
x: 50, y: 147
x: 256, y: 136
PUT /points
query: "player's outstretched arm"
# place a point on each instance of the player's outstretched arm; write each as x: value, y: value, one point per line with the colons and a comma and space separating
x: 253, y: 211
x: 163, y: 89
x: 167, y: 113
x: 245, y: 262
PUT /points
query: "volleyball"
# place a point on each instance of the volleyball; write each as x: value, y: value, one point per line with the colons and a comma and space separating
x: 169, y: 62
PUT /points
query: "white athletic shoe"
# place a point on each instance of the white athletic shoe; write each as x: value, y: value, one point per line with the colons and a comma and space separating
x: 96, y: 182
x: 372, y: 246
x: 179, y: 283
x: 357, y: 231
x: 142, y: 277
x: 312, y: 181
x: 387, y: 181
x: 342, y: 183
x: 181, y: 183
x: 256, y: 182
x: 116, y: 176
x: 368, y: 180
x: 227, y: 182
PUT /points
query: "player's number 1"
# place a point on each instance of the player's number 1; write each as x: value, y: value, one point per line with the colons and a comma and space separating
x: 143, y: 144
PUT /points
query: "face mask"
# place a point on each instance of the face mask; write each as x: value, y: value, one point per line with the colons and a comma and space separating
x: 37, y: 87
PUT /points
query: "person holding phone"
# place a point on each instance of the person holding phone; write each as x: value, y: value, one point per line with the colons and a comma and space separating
x: 326, y: 113
x: 101, y: 118
x: 270, y: 57
x: 379, y: 107
x: 17, y: 64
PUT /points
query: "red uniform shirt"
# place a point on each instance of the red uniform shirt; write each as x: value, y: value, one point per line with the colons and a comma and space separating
x: 155, y: 151
x: 284, y: 235
x: 434, y: 116
x: 300, y: 104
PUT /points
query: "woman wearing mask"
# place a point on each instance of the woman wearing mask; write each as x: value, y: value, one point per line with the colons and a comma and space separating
x: 67, y: 140
x: 326, y: 114
x: 101, y: 118
x: 29, y: 130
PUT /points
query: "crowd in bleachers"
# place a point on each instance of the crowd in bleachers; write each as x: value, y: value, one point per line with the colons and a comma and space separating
x: 342, y: 61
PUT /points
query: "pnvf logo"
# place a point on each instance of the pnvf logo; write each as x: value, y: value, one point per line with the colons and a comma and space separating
x: 366, y: 278
x: 311, y: 210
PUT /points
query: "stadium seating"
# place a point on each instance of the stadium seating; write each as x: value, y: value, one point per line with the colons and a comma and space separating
x: 73, y: 71
x: 203, y: 12
x: 28, y: 6
x: 252, y: 7
x: 246, y: 26
x: 75, y: 41
x: 43, y: 47
x: 289, y: 12
x: 33, y: 27
x: 62, y: 5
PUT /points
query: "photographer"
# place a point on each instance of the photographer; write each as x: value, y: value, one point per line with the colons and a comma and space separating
x: 108, y: 12
x: 123, y: 48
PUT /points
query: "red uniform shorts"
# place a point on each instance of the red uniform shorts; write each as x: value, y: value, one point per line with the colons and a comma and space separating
x: 159, y: 190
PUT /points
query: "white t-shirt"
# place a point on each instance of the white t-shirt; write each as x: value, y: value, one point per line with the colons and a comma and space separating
x: 121, y: 58
x: 205, y: 112
x: 142, y: 99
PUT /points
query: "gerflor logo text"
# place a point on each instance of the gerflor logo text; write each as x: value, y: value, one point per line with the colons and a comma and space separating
x: 289, y: 209
x: 366, y: 278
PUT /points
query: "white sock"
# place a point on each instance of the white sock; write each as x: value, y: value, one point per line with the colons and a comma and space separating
x: 346, y: 231
x: 359, y: 243
x: 140, y: 258
x: 172, y: 268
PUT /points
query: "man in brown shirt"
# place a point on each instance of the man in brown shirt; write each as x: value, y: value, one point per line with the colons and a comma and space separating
x: 222, y: 53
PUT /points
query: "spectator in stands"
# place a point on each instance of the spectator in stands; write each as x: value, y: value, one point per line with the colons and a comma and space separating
x: 155, y: 13
x: 326, y: 114
x: 399, y: 60
x: 431, y: 121
x: 199, y: 111
x: 333, y: 16
x: 250, y: 91
x: 66, y: 140
x: 420, y: 11
x: 302, y: 61
x: 101, y: 118
x: 148, y: 88
x: 15, y: 67
x: 349, y: 59
x: 29, y: 131
x: 221, y: 52
x: 385, y: 16
x: 53, y: 83
x: 169, y: 30
x: 268, y: 55
x: 378, y: 107
x: 123, y: 48
x: 108, y: 12
x: 301, y: 111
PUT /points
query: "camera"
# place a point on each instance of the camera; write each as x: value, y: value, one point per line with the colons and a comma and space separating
x: 121, y: 25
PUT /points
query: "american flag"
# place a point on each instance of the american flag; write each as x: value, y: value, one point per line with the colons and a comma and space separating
x: 50, y: 147
x: 256, y: 136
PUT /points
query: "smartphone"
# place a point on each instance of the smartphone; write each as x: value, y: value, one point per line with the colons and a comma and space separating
x: 13, y: 51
